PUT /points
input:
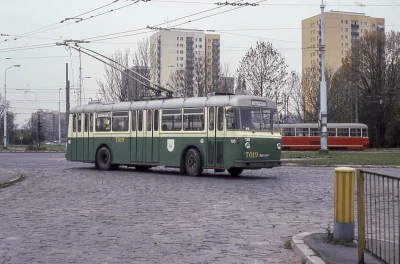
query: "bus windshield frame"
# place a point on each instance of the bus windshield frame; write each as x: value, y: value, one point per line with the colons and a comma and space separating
x: 247, y: 118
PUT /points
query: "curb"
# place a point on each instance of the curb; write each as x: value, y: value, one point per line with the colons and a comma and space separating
x: 18, y: 178
x: 308, y: 256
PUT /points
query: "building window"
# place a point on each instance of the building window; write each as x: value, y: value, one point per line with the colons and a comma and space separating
x: 341, y: 21
x: 196, y: 39
x: 342, y: 37
x: 181, y: 65
x: 181, y: 38
x: 347, y: 52
x: 177, y: 58
x: 181, y: 58
x: 342, y: 52
x: 342, y: 45
x: 177, y: 51
x: 346, y: 45
x: 200, y: 39
x: 177, y: 45
x: 181, y: 45
x: 181, y: 51
x: 365, y: 24
x: 177, y: 38
x: 347, y: 30
x: 365, y: 31
x: 373, y: 25
x: 346, y: 22
x: 209, y: 47
x: 342, y: 29
x: 195, y: 46
x: 209, y: 41
x: 200, y: 46
x: 347, y: 37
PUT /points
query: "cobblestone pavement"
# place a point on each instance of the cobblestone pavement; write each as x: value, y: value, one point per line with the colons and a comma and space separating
x: 71, y: 213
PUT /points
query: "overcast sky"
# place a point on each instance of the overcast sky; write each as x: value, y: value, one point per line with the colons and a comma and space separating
x: 43, y: 68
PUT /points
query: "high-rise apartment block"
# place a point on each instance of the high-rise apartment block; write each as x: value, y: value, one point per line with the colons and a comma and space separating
x: 193, y: 53
x: 341, y: 30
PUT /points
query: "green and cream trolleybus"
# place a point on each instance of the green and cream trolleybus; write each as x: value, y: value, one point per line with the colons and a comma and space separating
x: 220, y: 132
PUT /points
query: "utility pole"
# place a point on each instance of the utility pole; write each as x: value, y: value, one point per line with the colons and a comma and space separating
x: 59, y: 116
x: 38, y: 128
x: 323, y: 100
x: 67, y: 101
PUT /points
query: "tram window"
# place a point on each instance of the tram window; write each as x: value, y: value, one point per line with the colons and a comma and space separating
x: 171, y: 120
x: 91, y: 122
x: 120, y: 121
x: 211, y: 118
x: 149, y: 117
x: 74, y: 123
x: 86, y: 122
x: 220, y: 118
x: 343, y: 132
x: 140, y: 123
x: 134, y: 116
x: 302, y: 132
x: 288, y: 132
x: 155, y: 120
x: 79, y: 123
x: 103, y: 122
x: 355, y: 132
x: 365, y: 132
x: 331, y: 132
x: 314, y: 132
x: 193, y: 119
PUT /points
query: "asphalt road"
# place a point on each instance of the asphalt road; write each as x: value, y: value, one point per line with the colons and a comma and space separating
x: 67, y: 212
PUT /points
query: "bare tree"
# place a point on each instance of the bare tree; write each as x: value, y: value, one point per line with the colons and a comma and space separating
x: 118, y: 85
x: 178, y: 82
x: 264, y: 70
x: 226, y: 85
x: 199, y: 77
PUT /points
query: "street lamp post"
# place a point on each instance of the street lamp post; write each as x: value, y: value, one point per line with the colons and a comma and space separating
x: 80, y: 89
x: 5, y: 104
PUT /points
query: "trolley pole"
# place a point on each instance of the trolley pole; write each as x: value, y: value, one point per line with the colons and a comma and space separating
x: 323, y: 100
x: 66, y: 101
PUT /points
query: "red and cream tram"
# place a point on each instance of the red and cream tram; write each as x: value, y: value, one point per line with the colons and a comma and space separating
x: 307, y: 136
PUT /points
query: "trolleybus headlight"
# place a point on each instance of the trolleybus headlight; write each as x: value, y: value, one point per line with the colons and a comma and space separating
x: 247, y: 145
x: 279, y: 146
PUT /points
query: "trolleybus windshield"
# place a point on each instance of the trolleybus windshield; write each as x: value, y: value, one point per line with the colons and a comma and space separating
x: 251, y: 118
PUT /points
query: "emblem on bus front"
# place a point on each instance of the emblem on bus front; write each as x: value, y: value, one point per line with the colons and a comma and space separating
x: 170, y: 145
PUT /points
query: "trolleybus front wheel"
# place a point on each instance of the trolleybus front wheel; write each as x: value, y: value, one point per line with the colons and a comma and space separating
x: 103, y: 159
x: 193, y: 162
x: 235, y: 172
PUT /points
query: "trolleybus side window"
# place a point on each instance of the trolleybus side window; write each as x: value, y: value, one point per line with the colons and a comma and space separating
x: 343, y: 132
x: 232, y: 118
x: 86, y: 122
x: 79, y: 123
x: 331, y: 132
x: 355, y: 132
x: 267, y: 120
x: 103, y: 122
x: 120, y: 121
x: 149, y: 118
x: 211, y: 118
x: 220, y: 118
x: 91, y: 122
x: 74, y: 123
x: 140, y: 123
x: 302, y: 132
x: 155, y: 126
x: 193, y: 119
x: 133, y: 120
x: 171, y: 120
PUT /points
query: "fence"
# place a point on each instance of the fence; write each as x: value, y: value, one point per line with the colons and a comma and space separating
x: 378, y: 216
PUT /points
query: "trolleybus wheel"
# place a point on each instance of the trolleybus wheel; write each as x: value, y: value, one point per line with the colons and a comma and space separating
x: 235, y: 172
x: 193, y: 162
x: 103, y: 159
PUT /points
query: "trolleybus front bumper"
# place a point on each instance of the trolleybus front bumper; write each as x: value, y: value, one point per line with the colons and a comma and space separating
x: 256, y: 164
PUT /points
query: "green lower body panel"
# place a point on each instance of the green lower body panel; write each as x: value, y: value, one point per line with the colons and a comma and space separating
x: 216, y: 153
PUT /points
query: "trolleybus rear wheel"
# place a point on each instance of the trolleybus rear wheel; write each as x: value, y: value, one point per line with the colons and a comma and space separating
x: 235, y: 172
x: 103, y: 159
x: 193, y: 162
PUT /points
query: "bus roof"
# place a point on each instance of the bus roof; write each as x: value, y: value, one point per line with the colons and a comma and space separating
x: 176, y: 103
x: 330, y: 125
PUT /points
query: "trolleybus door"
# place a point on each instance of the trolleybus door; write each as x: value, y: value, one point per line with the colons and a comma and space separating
x: 80, y: 137
x: 86, y: 137
x: 156, y: 136
x: 91, y: 150
x: 133, y: 135
x: 220, y: 136
x: 74, y: 138
x: 140, y: 140
x: 211, y: 137
x: 148, y: 147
